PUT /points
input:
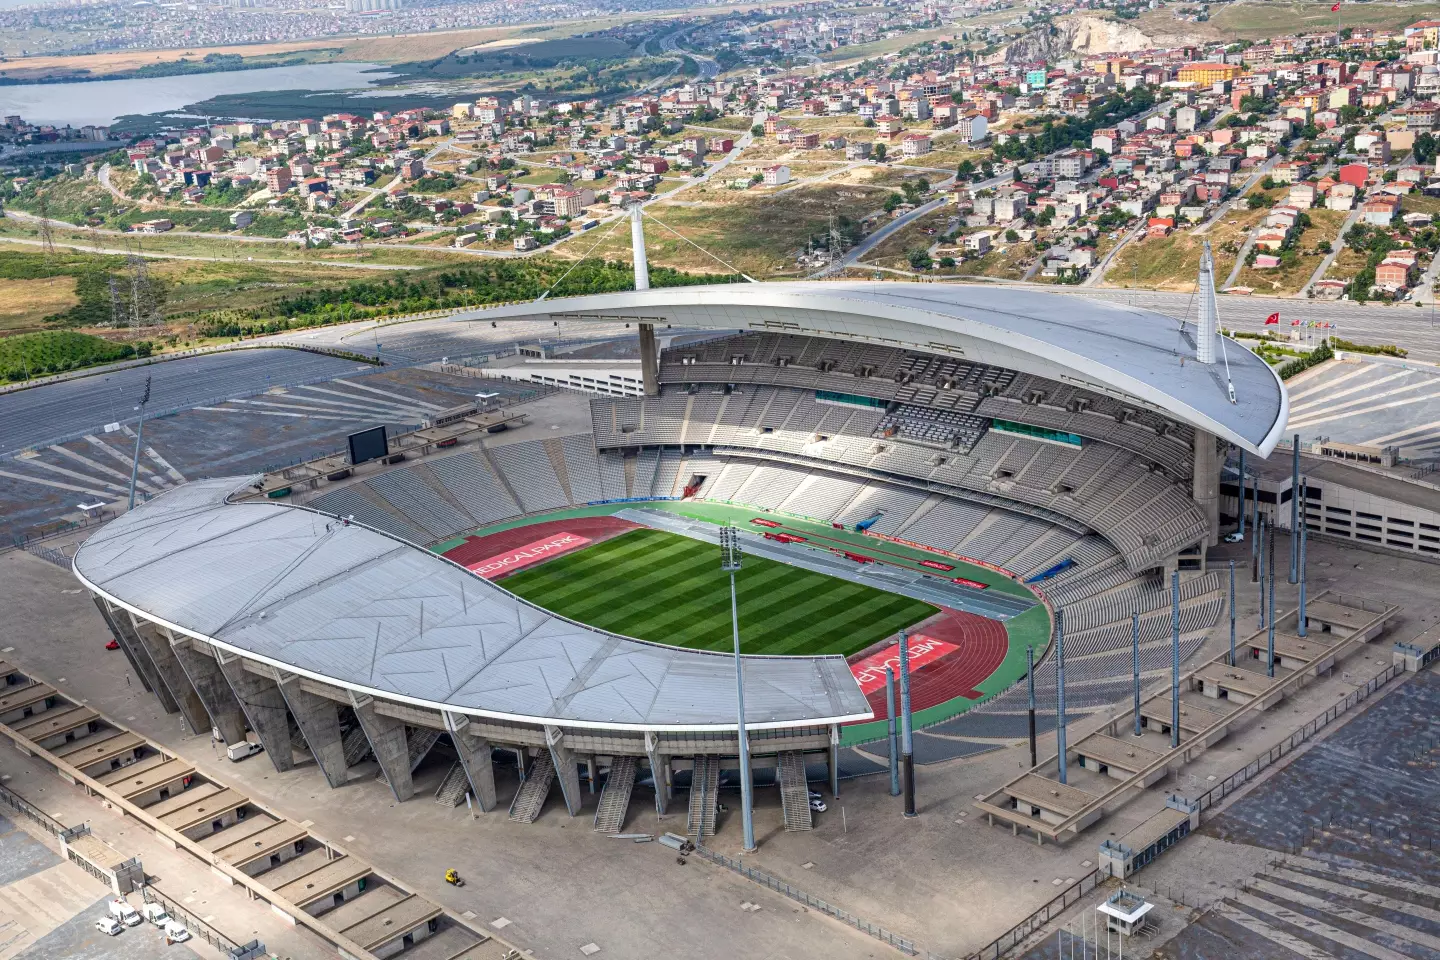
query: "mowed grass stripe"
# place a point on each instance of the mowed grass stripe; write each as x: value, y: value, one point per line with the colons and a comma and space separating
x: 669, y: 589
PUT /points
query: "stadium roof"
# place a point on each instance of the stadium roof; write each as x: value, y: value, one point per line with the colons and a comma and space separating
x: 355, y: 607
x: 1137, y: 355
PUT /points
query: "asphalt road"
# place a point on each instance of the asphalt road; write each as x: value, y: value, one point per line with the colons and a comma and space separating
x: 74, y: 407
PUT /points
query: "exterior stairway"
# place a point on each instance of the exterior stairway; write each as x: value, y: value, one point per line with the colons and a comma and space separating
x: 794, y: 792
x: 704, y: 789
x: 357, y: 747
x: 530, y: 798
x: 452, y: 790
x: 615, y: 798
x: 418, y: 742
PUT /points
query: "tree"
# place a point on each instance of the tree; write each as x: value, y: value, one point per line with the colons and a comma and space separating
x: 758, y: 130
x: 1424, y: 148
x: 1011, y: 236
x: 878, y: 152
x: 920, y: 259
x: 966, y: 170
x: 892, y: 202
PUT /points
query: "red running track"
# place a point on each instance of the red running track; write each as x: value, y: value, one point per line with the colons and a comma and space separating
x: 981, y: 645
x: 475, y: 549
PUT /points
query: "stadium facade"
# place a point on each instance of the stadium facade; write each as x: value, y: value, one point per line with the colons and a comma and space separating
x: 1074, y: 444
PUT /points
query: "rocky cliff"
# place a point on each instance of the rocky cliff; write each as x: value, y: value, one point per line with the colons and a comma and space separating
x: 1083, y: 35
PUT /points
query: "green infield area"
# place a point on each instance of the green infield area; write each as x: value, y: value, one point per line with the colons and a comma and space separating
x: 669, y: 589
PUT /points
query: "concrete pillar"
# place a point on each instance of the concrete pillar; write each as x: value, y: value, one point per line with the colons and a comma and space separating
x: 659, y: 768
x: 474, y: 758
x: 157, y: 645
x: 388, y: 741
x: 1206, y: 485
x: 209, y: 683
x: 103, y: 606
x: 259, y: 697
x: 130, y: 641
x: 567, y: 770
x: 592, y: 770
x: 649, y: 360
x: 319, y: 720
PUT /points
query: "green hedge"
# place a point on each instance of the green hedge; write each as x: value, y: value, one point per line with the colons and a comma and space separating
x: 1300, y: 364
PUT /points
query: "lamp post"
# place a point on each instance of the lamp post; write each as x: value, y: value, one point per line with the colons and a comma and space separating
x: 730, y: 563
x: 139, y: 432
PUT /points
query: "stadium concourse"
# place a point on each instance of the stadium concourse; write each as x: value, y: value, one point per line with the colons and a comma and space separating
x: 1035, y: 448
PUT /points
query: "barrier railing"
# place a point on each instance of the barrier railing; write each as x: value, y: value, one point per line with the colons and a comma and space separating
x: 1017, y: 934
x: 905, y: 946
x: 31, y: 812
x: 199, y: 928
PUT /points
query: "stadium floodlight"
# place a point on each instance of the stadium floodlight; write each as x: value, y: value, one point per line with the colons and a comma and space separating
x: 730, y: 559
x: 139, y: 432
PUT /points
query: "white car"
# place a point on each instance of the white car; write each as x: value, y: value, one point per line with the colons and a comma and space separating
x: 1236, y: 537
x: 818, y: 806
x: 175, y: 931
x: 108, y: 926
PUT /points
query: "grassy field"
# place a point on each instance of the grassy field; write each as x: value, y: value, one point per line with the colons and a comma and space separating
x: 25, y: 303
x: 758, y: 234
x: 1255, y: 21
x: 667, y: 588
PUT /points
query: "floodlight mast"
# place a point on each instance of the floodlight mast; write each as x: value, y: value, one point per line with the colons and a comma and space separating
x: 139, y: 433
x: 730, y: 559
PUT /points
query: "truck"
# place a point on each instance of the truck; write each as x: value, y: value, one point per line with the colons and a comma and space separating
x: 121, y: 910
x: 239, y: 751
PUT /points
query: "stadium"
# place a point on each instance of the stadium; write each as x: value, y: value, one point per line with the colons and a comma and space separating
x: 959, y: 463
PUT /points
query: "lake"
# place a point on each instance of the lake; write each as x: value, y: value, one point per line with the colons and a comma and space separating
x: 102, y: 102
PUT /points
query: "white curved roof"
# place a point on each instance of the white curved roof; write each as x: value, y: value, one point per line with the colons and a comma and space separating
x: 1122, y: 351
x: 364, y: 610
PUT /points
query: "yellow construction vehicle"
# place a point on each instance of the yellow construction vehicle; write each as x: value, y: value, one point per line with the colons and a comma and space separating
x: 453, y: 878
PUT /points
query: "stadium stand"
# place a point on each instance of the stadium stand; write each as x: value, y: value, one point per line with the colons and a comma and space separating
x: 1106, y: 488
x: 1087, y: 494
x: 471, y: 483
x: 531, y: 475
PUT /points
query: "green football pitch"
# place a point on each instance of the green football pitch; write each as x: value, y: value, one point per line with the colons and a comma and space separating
x: 669, y: 589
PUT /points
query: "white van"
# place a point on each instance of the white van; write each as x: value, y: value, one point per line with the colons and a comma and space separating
x: 155, y: 914
x: 175, y: 931
x: 108, y: 926
x: 122, y: 911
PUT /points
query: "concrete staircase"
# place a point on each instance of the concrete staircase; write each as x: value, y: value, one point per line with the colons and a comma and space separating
x: 530, y: 798
x: 357, y: 746
x: 794, y: 792
x: 615, y: 798
x: 418, y: 742
x: 452, y: 789
x: 704, y: 789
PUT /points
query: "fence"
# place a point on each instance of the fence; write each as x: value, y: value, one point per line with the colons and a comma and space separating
x: 49, y: 555
x: 59, y: 529
x: 1017, y: 934
x: 799, y: 896
x: 199, y: 928
x: 28, y: 810
x: 1238, y: 779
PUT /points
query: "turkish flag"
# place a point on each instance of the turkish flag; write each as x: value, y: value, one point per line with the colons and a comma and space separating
x: 1294, y: 323
x: 1335, y: 9
x: 1273, y: 318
